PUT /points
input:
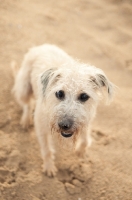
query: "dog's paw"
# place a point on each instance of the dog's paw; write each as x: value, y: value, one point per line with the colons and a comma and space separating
x: 50, y: 170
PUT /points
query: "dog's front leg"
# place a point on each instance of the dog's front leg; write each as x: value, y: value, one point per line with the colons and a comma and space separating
x: 84, y: 141
x: 45, y: 140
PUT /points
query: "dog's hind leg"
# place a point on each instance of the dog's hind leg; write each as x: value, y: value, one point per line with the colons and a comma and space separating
x: 25, y: 119
x: 23, y: 93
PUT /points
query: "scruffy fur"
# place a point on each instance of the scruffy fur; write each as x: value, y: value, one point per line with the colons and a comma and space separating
x: 46, y: 70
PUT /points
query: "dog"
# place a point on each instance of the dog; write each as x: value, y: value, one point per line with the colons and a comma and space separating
x: 66, y: 94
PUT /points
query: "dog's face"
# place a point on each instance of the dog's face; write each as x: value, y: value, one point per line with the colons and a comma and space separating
x: 71, y: 96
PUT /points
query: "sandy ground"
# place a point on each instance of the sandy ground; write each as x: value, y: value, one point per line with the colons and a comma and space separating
x: 95, y: 31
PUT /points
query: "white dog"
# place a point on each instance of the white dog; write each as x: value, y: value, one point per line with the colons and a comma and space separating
x: 66, y: 94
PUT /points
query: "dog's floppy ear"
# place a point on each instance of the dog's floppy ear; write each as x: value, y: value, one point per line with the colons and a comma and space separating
x: 100, y: 80
x: 46, y: 78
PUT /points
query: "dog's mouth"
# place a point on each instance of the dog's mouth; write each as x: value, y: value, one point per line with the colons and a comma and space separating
x: 64, y: 134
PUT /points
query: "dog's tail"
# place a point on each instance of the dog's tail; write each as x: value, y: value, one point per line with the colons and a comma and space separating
x: 14, y: 68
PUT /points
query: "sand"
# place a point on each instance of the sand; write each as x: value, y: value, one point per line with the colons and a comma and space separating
x: 97, y: 32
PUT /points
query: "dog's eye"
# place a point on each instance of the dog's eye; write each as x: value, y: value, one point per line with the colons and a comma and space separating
x: 60, y: 94
x: 83, y: 97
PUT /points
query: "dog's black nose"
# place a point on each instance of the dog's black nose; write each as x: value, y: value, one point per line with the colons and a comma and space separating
x: 65, y: 124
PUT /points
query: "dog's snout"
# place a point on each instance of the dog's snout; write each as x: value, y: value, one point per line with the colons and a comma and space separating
x: 65, y: 124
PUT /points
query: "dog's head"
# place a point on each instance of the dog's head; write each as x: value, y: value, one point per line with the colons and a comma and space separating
x: 71, y: 95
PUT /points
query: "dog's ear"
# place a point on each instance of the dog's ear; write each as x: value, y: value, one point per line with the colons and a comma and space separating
x: 46, y: 78
x: 100, y: 80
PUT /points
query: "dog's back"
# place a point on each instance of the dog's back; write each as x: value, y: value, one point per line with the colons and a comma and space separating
x: 36, y: 61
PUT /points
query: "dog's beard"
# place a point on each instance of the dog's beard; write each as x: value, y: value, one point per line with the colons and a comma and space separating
x: 67, y: 143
